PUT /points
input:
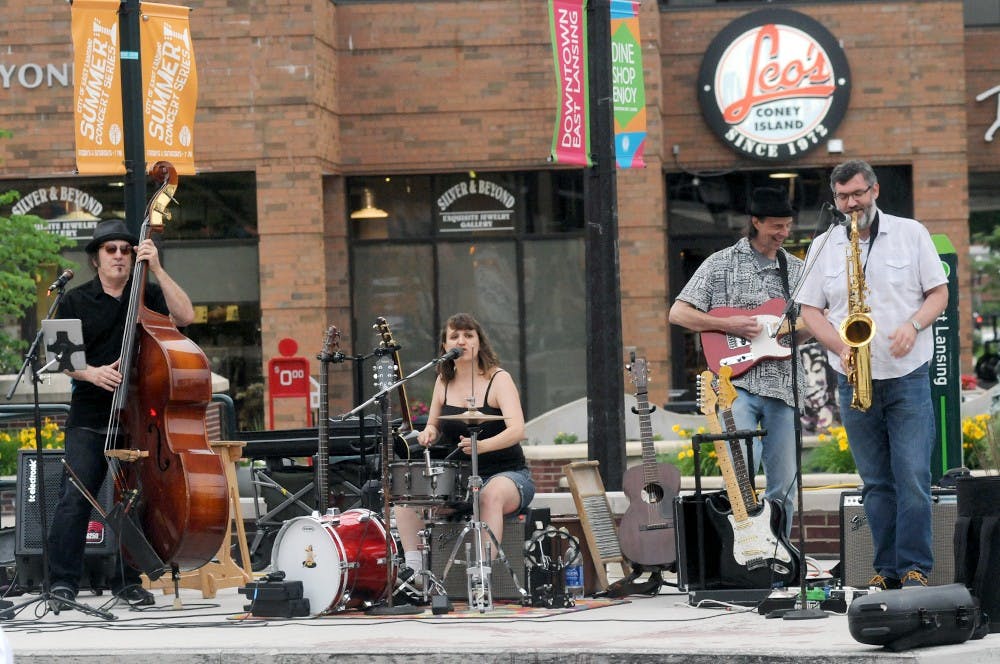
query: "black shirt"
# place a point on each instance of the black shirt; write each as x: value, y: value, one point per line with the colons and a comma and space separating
x: 490, y: 463
x: 103, y: 320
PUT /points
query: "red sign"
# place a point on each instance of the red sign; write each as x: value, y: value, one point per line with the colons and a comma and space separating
x: 288, y: 377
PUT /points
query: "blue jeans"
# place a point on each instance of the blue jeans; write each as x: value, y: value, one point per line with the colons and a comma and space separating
x: 68, y: 530
x: 892, y: 443
x: 522, y: 480
x: 776, y: 450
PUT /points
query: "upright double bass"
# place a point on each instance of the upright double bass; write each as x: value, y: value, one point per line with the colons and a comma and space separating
x: 171, y: 484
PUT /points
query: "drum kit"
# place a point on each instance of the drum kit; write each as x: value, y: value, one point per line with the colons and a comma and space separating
x: 350, y: 560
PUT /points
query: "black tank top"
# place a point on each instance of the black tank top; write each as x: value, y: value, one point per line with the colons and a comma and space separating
x: 490, y: 463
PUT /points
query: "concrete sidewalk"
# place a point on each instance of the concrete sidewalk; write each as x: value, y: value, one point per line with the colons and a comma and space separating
x: 665, y: 628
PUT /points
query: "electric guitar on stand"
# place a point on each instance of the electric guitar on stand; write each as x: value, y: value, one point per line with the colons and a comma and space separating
x: 329, y: 353
x: 388, y: 370
x: 646, y: 534
x: 727, y: 350
x: 756, y: 553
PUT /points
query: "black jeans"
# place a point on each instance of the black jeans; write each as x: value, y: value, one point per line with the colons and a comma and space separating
x: 68, y: 530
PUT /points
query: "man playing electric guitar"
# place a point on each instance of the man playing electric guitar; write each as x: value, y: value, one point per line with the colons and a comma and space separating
x: 744, y: 277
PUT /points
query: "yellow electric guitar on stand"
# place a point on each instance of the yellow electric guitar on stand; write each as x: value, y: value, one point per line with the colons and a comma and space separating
x: 755, y: 553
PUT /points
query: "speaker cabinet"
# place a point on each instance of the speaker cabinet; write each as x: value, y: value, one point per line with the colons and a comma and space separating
x: 101, y: 547
x: 856, y: 547
x: 515, y: 532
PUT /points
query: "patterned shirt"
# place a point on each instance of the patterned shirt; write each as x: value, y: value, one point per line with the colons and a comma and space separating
x: 733, y: 277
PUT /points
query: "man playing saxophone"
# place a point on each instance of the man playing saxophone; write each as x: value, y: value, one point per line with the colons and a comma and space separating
x: 888, y: 283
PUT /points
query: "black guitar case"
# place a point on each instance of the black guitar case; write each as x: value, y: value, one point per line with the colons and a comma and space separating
x: 916, y: 617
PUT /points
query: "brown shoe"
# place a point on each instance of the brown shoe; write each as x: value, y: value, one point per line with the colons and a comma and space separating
x: 880, y: 582
x: 913, y: 579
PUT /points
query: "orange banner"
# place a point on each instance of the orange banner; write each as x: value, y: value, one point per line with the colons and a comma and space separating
x: 170, y: 85
x: 97, y: 103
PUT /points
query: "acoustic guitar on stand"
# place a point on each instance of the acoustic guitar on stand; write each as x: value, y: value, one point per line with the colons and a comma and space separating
x: 755, y: 552
x: 728, y: 350
x: 646, y: 533
x: 329, y: 353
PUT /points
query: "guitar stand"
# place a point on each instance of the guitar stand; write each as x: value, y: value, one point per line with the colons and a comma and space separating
x: 627, y: 585
x: 697, y: 440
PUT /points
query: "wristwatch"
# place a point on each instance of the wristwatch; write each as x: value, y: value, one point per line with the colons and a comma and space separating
x: 915, y: 324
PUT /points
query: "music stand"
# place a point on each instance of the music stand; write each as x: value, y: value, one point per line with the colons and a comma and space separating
x: 63, y: 345
x: 62, y: 341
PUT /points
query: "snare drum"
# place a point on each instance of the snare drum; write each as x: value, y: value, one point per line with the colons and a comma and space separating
x: 340, y: 559
x: 412, y: 484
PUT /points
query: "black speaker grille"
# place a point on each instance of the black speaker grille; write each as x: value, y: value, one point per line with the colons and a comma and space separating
x: 100, y: 539
x: 443, y: 538
x: 856, y: 547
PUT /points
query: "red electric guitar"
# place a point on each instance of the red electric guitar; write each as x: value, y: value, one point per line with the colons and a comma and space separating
x: 726, y: 350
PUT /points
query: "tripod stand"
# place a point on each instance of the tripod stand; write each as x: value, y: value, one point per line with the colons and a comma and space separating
x: 479, y: 567
x: 54, y: 603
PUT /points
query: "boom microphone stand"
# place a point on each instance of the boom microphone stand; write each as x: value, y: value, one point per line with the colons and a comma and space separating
x: 382, y: 399
x: 803, y: 612
x: 56, y: 604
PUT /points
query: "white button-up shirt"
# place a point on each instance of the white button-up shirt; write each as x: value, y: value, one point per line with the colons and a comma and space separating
x: 903, y: 266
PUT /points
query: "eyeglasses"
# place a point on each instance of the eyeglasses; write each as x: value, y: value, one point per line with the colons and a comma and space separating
x: 843, y: 198
x: 112, y: 249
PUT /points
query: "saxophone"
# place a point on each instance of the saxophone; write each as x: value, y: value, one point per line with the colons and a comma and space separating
x: 858, y: 329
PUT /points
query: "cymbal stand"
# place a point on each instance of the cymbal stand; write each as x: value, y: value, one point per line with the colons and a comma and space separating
x: 382, y: 399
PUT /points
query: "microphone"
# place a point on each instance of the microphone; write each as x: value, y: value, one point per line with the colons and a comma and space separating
x: 452, y: 354
x: 838, y: 218
x: 61, y: 281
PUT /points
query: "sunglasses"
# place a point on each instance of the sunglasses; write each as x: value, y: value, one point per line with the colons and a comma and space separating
x: 112, y: 249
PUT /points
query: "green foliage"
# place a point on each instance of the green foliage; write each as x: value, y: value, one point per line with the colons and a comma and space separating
x: 12, y: 440
x: 26, y: 247
x: 565, y: 438
x: 684, y: 459
x: 832, y: 455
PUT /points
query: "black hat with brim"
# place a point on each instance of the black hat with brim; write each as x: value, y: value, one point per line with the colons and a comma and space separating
x: 112, y: 229
x: 770, y: 202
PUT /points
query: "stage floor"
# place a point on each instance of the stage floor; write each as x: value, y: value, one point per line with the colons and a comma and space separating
x: 665, y: 628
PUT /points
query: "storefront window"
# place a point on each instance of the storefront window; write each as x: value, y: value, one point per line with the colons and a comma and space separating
x: 213, y: 224
x: 505, y: 247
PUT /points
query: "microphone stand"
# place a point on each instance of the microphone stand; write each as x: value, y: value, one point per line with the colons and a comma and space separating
x: 56, y: 604
x: 803, y: 612
x: 382, y: 398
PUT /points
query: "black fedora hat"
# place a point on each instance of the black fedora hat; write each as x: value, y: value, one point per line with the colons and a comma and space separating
x: 112, y: 229
x: 770, y: 202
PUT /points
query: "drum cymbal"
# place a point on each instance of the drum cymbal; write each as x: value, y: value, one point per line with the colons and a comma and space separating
x: 472, y: 417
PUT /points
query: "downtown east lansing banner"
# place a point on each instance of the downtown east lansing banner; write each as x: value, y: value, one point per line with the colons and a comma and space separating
x: 571, y: 139
x: 169, y: 82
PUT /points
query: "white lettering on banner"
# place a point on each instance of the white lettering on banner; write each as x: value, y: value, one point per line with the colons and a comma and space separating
x: 991, y: 132
x: 95, y: 81
x: 170, y: 71
x: 570, y: 59
x: 31, y: 75
x: 940, y: 355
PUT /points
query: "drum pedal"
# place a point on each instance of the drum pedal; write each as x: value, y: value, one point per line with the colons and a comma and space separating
x: 440, y: 604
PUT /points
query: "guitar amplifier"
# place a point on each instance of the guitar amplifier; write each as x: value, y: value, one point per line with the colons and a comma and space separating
x: 698, y: 543
x: 856, y: 547
x: 516, y: 531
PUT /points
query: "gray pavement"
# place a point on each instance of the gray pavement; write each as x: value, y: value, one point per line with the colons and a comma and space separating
x: 665, y: 628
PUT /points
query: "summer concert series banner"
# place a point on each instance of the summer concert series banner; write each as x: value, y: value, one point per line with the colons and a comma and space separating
x: 571, y: 139
x: 170, y: 86
x: 97, y: 97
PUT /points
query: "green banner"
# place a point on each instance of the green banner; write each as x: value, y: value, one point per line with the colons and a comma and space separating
x: 946, y: 379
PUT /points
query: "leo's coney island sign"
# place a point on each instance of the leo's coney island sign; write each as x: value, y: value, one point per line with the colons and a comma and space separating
x: 774, y: 84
